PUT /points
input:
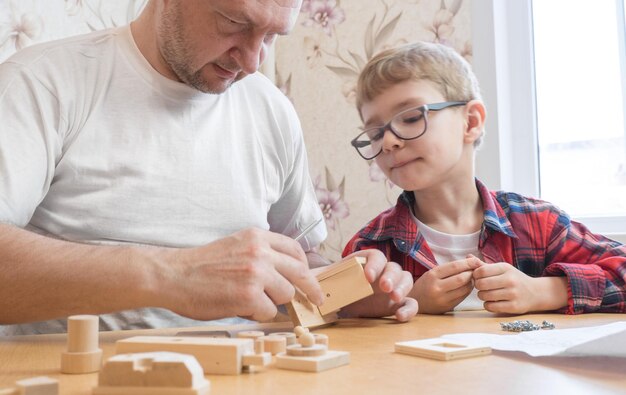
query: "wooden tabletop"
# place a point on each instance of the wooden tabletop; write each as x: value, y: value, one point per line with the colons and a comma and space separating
x: 374, y: 367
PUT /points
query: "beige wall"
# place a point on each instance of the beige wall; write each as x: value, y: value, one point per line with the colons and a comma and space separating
x: 316, y: 66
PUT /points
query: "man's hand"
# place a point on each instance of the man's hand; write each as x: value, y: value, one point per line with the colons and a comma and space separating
x: 245, y: 274
x: 506, y: 289
x: 441, y: 288
x: 391, y: 285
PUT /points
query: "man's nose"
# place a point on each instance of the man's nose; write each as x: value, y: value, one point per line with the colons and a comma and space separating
x: 250, y: 54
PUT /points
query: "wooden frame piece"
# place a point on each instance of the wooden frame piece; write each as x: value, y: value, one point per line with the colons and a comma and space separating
x: 215, y: 355
x: 157, y: 373
x: 331, y: 359
x: 440, y: 349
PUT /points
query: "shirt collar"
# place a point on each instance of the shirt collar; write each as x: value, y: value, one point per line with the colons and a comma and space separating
x: 399, y: 226
x: 495, y: 217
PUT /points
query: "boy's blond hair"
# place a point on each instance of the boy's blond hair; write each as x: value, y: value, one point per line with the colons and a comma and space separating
x: 436, y: 63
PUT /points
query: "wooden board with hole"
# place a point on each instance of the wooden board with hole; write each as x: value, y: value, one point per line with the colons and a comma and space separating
x: 440, y: 349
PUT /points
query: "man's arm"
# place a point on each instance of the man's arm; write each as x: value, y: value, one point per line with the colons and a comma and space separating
x: 245, y: 274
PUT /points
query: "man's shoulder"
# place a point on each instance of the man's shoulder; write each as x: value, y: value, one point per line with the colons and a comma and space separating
x: 262, y: 85
x: 88, y: 45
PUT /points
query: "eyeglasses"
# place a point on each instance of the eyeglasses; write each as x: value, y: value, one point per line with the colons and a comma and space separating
x: 406, y: 125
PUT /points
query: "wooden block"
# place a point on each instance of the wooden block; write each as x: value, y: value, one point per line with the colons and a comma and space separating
x: 152, y: 373
x: 321, y: 339
x: 250, y: 334
x: 41, y: 385
x: 298, y: 350
x: 83, y: 354
x: 215, y: 355
x: 304, y: 313
x: 290, y: 337
x: 441, y: 349
x: 330, y: 360
x: 300, y: 330
x: 220, y: 333
x: 262, y: 359
x: 274, y: 344
x: 259, y: 345
x: 307, y: 339
x: 344, y: 284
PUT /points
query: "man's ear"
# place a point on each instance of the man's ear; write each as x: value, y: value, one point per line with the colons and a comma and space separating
x: 475, y: 114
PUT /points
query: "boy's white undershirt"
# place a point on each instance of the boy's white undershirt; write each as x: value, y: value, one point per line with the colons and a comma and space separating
x: 448, y: 248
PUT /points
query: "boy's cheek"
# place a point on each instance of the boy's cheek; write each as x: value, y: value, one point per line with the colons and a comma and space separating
x: 380, y: 161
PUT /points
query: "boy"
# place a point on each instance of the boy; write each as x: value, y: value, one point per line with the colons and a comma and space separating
x: 468, y: 247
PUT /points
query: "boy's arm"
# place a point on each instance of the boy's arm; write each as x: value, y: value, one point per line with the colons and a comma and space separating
x: 594, y: 266
x: 505, y: 289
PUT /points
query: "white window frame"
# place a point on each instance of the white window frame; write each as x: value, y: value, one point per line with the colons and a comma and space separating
x: 503, y: 61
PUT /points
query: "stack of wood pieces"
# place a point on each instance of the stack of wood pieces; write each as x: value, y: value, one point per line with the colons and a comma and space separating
x: 310, y: 353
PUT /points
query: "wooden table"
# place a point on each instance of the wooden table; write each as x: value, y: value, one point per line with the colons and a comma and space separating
x: 374, y: 367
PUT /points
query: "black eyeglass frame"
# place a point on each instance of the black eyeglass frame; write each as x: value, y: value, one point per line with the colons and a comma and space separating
x: 382, y: 129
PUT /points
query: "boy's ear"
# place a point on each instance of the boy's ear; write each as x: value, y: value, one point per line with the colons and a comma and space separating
x: 475, y: 114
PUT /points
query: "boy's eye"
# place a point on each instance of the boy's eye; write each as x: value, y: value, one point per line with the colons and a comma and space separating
x: 375, y: 134
x: 412, y: 116
x: 412, y: 119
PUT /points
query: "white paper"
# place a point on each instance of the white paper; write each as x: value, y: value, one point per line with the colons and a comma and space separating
x: 605, y: 340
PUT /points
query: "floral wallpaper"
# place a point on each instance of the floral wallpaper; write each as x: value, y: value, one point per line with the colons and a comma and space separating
x: 316, y: 66
x: 23, y: 22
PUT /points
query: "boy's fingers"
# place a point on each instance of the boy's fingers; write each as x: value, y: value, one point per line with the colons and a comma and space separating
x: 491, y: 270
x: 375, y: 265
x: 407, y: 311
x: 456, y: 267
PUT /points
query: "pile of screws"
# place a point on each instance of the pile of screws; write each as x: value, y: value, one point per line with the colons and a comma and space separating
x: 525, y: 326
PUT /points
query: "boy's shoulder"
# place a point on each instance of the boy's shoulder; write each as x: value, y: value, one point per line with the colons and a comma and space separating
x: 391, y: 222
x: 514, y: 201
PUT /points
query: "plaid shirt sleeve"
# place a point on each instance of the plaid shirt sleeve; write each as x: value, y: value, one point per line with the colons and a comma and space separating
x: 595, y: 267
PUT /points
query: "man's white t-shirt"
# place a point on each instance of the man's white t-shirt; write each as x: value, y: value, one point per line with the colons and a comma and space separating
x: 97, y: 147
x: 449, y: 248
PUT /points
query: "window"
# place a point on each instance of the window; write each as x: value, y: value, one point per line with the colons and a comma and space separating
x: 553, y: 75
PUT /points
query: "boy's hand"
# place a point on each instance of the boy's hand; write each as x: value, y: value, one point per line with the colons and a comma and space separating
x: 440, y: 289
x: 391, y: 285
x: 506, y: 289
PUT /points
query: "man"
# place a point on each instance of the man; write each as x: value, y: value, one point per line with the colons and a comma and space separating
x: 138, y: 172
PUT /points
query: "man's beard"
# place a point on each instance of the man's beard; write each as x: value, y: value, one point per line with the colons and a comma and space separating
x: 176, y: 54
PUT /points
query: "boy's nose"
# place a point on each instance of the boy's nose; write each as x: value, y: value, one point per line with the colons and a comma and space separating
x: 391, y: 141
